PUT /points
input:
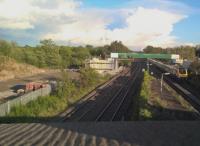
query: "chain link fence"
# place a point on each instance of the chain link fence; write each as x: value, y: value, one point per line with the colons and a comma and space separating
x: 24, y: 99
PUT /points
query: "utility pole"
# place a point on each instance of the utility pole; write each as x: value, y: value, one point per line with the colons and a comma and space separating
x: 161, y: 81
x: 147, y: 65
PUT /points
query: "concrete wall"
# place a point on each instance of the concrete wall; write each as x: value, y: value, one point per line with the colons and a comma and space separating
x: 24, y: 99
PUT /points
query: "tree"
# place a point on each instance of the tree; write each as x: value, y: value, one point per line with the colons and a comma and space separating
x: 89, y: 77
x: 66, y: 56
x: 79, y: 55
x: 198, y: 51
x: 5, y: 48
x: 52, y: 56
x: 48, y: 43
x: 118, y: 47
x: 151, y: 49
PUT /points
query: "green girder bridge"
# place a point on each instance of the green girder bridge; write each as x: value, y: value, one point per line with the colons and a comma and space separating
x: 142, y: 55
x: 130, y: 56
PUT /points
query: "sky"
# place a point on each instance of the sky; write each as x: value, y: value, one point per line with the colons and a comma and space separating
x: 137, y: 23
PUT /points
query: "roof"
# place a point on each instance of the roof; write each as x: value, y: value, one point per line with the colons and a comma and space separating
x: 178, y: 133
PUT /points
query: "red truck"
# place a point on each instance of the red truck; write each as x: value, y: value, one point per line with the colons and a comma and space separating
x: 31, y: 86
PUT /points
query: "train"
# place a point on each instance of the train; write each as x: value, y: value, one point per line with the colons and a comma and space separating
x: 176, y: 70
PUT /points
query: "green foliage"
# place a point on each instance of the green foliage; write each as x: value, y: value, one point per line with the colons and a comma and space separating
x: 186, y: 52
x: 79, y: 55
x: 47, y: 54
x: 151, y: 49
x: 43, y: 106
x: 50, y: 55
x: 89, y: 77
x: 5, y: 48
x: 144, y: 112
x: 66, y: 56
x: 66, y: 87
x: 116, y: 46
x: 198, y: 51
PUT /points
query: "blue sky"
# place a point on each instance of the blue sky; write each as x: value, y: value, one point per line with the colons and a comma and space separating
x: 104, y: 3
x: 136, y: 23
x: 186, y: 30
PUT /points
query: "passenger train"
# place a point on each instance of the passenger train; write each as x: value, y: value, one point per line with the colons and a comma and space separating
x: 178, y: 71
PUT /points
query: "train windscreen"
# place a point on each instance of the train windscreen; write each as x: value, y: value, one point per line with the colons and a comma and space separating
x: 182, y: 71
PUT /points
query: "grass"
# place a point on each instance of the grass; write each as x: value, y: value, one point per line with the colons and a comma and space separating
x: 148, y: 105
x: 143, y: 112
x: 42, y: 107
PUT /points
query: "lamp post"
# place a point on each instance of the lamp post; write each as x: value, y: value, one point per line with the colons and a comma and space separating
x: 148, y: 65
x: 161, y: 82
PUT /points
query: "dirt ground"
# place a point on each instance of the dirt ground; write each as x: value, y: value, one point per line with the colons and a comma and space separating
x: 8, y: 87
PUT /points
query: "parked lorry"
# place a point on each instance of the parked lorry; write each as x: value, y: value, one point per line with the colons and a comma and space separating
x: 31, y: 86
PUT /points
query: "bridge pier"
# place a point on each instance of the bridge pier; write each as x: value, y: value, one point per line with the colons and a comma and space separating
x: 116, y: 64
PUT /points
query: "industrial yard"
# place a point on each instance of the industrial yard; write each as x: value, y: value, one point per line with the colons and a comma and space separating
x: 8, y: 88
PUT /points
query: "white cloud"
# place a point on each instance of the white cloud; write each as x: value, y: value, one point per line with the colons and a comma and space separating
x: 66, y: 21
x: 23, y: 14
x: 143, y: 27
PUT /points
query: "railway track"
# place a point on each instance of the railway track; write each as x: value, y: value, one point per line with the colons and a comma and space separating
x: 86, y: 101
x: 108, y: 104
x: 117, y: 102
x: 187, y: 94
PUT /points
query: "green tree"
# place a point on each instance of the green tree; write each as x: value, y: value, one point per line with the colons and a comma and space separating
x: 52, y: 56
x: 89, y: 77
x: 79, y: 55
x: 117, y: 46
x: 5, y: 48
x: 66, y: 56
x: 151, y: 49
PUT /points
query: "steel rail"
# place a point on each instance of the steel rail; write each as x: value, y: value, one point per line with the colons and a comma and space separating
x: 87, y: 98
x: 132, y: 86
x: 82, y: 116
x: 113, y: 99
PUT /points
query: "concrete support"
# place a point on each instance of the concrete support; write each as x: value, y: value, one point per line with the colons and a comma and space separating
x: 115, y: 64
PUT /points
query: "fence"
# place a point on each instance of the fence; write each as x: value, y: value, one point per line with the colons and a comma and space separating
x: 24, y: 99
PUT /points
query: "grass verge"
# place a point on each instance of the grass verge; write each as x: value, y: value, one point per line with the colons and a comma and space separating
x: 143, y: 110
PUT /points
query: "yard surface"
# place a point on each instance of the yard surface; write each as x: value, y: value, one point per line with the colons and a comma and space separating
x: 8, y: 87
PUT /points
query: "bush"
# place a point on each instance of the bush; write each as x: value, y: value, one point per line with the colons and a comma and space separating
x: 144, y: 112
x: 89, y: 77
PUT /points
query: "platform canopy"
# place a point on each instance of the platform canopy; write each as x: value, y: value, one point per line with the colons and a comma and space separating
x: 143, y: 55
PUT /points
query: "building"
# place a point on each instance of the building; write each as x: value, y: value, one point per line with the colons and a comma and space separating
x: 99, y: 64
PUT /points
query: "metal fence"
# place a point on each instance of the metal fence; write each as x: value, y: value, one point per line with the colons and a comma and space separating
x: 24, y: 99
